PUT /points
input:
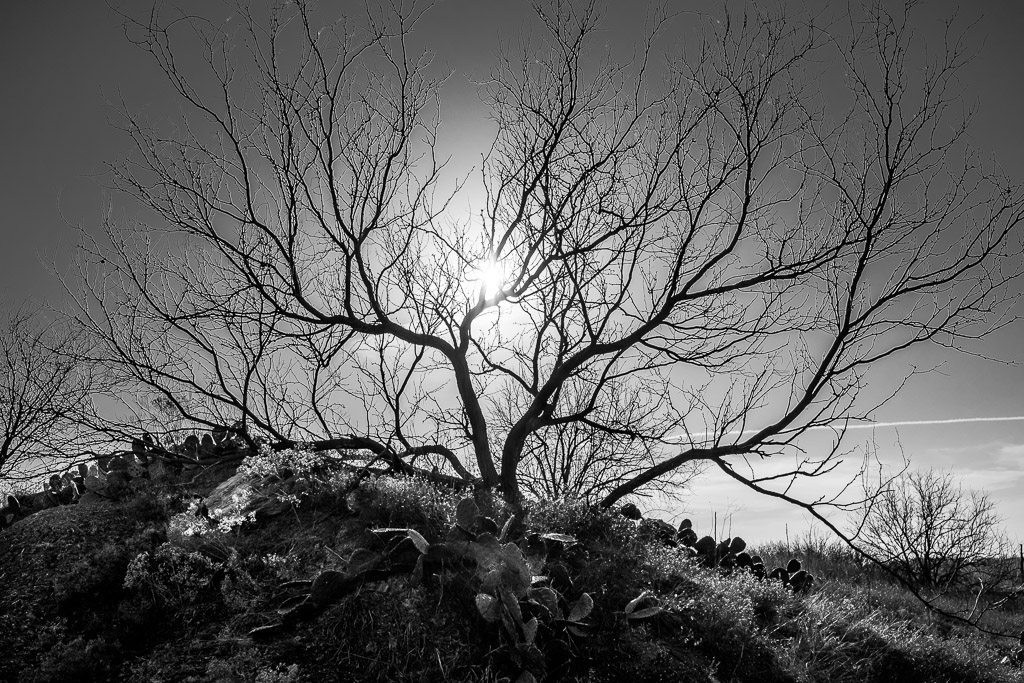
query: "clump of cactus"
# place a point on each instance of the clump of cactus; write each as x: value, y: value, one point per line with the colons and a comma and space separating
x: 57, y: 490
x: 10, y: 511
x: 724, y: 554
x: 111, y: 480
x: 219, y: 443
x: 728, y: 554
x: 520, y: 581
x: 118, y: 474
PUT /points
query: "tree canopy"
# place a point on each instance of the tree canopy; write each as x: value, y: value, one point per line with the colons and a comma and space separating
x: 691, y: 257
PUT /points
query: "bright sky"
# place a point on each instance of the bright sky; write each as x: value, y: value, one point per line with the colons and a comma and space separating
x: 61, y: 62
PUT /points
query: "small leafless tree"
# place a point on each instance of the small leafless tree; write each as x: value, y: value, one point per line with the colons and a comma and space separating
x: 693, y: 254
x: 44, y: 393
x: 935, y: 535
x: 585, y: 458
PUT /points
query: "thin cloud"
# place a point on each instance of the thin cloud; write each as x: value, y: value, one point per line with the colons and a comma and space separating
x: 871, y: 425
x: 1012, y: 452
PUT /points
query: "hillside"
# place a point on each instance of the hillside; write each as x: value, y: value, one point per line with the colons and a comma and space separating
x: 217, y: 576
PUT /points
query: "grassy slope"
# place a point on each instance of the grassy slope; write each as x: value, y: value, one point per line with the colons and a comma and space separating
x: 184, y: 612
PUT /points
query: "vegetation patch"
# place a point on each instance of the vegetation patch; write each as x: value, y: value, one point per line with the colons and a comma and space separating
x: 567, y: 592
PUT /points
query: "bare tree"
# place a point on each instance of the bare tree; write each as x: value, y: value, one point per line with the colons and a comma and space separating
x: 935, y: 535
x: 44, y: 393
x: 698, y: 230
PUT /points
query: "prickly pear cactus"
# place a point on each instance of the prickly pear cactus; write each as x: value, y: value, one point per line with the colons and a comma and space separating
x: 630, y: 511
x: 136, y: 468
x: 96, y: 481
x: 158, y: 470
x: 705, y: 547
x: 191, y: 446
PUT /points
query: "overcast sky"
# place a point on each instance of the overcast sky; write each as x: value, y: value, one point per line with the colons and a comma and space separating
x: 63, y: 61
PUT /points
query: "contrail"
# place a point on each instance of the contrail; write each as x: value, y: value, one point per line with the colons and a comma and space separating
x: 954, y: 420
x: 872, y: 425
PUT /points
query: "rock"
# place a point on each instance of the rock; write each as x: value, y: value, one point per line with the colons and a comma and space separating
x: 238, y: 485
x: 268, y: 506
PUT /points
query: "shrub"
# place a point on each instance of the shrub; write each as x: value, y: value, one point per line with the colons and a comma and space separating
x: 402, y: 501
x: 299, y: 461
x: 578, y: 519
x: 174, y: 577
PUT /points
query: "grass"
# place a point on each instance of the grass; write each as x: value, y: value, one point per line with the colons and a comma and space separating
x: 847, y: 573
x: 196, y: 598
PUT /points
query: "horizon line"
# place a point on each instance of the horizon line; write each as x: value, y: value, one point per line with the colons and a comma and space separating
x: 869, y: 425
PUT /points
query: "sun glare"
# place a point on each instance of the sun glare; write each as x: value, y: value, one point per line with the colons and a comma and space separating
x: 488, y: 277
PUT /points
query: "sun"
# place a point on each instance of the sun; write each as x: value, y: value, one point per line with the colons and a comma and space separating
x: 488, y: 277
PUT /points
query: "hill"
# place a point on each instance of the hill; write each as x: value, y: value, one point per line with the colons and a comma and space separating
x: 329, y: 575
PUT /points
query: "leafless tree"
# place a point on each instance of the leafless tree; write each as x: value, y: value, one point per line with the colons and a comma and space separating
x: 704, y: 230
x: 936, y: 535
x: 44, y: 393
